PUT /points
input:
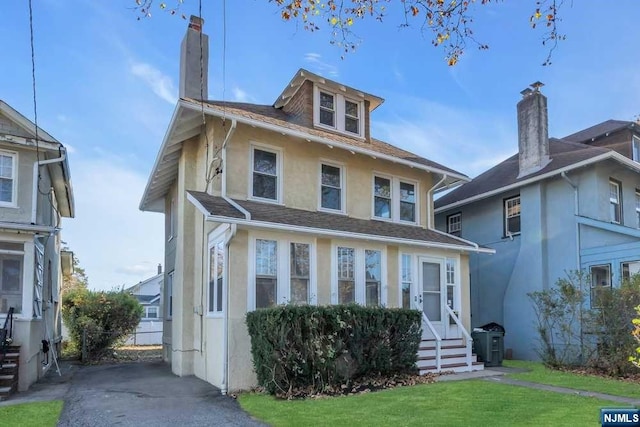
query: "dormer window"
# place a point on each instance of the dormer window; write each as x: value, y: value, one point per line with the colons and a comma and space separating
x: 338, y: 112
x: 351, y: 117
x: 327, y: 109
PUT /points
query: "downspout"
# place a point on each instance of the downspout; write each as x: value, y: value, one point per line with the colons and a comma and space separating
x: 575, y: 213
x: 429, y: 200
x: 223, y: 192
x: 225, y: 371
x: 34, y: 196
x: 234, y: 228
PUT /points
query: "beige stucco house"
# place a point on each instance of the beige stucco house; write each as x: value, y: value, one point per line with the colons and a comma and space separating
x: 295, y: 202
x: 35, y: 193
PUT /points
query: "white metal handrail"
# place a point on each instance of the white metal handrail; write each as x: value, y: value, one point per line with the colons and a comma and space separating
x: 467, y: 337
x: 426, y: 321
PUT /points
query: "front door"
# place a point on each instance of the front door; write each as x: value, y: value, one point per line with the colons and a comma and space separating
x: 438, y: 288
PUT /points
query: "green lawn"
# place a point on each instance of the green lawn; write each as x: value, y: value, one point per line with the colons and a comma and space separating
x: 540, y: 374
x: 37, y: 414
x: 456, y: 403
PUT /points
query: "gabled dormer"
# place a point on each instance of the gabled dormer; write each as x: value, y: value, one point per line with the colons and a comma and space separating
x: 318, y: 102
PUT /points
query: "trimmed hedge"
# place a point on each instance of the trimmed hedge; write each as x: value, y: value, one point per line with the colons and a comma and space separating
x: 313, y: 347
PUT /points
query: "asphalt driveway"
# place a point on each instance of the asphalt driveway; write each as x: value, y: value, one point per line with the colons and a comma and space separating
x: 135, y: 394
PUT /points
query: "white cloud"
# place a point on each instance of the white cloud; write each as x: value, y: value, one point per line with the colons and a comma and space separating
x: 159, y: 83
x: 465, y: 140
x: 115, y: 242
x: 319, y: 66
x: 241, y: 95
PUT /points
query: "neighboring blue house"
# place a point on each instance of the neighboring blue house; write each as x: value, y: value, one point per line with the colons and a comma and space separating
x: 556, y: 206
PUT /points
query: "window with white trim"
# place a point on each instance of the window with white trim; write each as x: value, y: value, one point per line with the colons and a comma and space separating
x: 373, y: 277
x: 600, y: 282
x: 615, y: 201
x: 635, y: 148
x: 407, y: 281
x: 338, y: 112
x: 327, y: 109
x: 151, y: 312
x: 7, y: 178
x: 381, y: 197
x: 331, y: 187
x: 346, y: 276
x: 11, y: 264
x: 454, y: 224
x: 629, y: 269
x: 407, y: 202
x: 266, y: 273
x: 265, y: 177
x: 637, y: 209
x: 216, y: 276
x: 512, y: 216
x: 351, y: 117
x: 300, y: 274
x: 395, y: 199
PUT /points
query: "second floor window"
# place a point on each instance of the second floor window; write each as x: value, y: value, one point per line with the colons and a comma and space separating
x: 615, y: 202
x: 454, y: 224
x: 381, y: 197
x: 407, y: 202
x: 265, y: 174
x: 512, y: 216
x: 7, y: 178
x: 331, y: 187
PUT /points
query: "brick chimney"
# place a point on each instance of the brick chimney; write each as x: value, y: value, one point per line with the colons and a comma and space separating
x: 190, y: 61
x: 533, y: 134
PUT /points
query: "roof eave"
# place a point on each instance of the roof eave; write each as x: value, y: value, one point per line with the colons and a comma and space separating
x: 325, y: 141
x: 604, y: 156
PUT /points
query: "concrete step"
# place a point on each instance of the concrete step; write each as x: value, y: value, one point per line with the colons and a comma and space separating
x: 455, y: 367
x: 428, y: 350
x: 450, y: 359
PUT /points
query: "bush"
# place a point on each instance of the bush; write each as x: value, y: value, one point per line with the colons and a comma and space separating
x: 599, y: 338
x: 104, y: 318
x: 321, y: 347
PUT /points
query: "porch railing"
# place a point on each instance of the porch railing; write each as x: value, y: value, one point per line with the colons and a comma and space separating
x: 429, y: 325
x: 6, y: 334
x: 467, y: 337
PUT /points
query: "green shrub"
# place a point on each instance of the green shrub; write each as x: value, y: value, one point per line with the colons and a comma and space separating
x: 103, y: 318
x: 313, y: 347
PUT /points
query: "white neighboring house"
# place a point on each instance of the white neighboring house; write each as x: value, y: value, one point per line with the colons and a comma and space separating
x: 147, y: 292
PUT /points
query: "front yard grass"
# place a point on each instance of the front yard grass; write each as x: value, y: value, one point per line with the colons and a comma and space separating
x: 540, y: 374
x: 37, y: 414
x: 474, y: 402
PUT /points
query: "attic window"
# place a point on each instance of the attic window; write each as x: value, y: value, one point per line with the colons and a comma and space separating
x: 337, y: 112
x: 7, y: 178
x: 635, y: 149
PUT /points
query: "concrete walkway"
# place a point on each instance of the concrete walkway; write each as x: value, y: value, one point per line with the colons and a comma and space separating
x: 496, y: 375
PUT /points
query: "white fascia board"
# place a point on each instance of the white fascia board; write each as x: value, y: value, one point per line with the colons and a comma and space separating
x: 604, y: 156
x: 325, y: 141
x: 144, y: 203
x: 26, y: 227
x: 343, y: 234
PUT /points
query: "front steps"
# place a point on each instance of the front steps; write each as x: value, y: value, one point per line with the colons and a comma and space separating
x: 9, y: 372
x: 453, y: 357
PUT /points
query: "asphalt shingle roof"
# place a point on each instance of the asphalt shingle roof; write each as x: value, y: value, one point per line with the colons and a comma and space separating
x: 562, y: 153
x: 276, y: 116
x: 277, y: 214
x: 595, y: 131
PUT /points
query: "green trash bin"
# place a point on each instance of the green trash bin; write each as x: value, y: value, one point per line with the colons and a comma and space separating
x: 489, y: 347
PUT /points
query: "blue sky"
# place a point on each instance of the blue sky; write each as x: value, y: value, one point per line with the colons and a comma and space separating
x: 107, y: 84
